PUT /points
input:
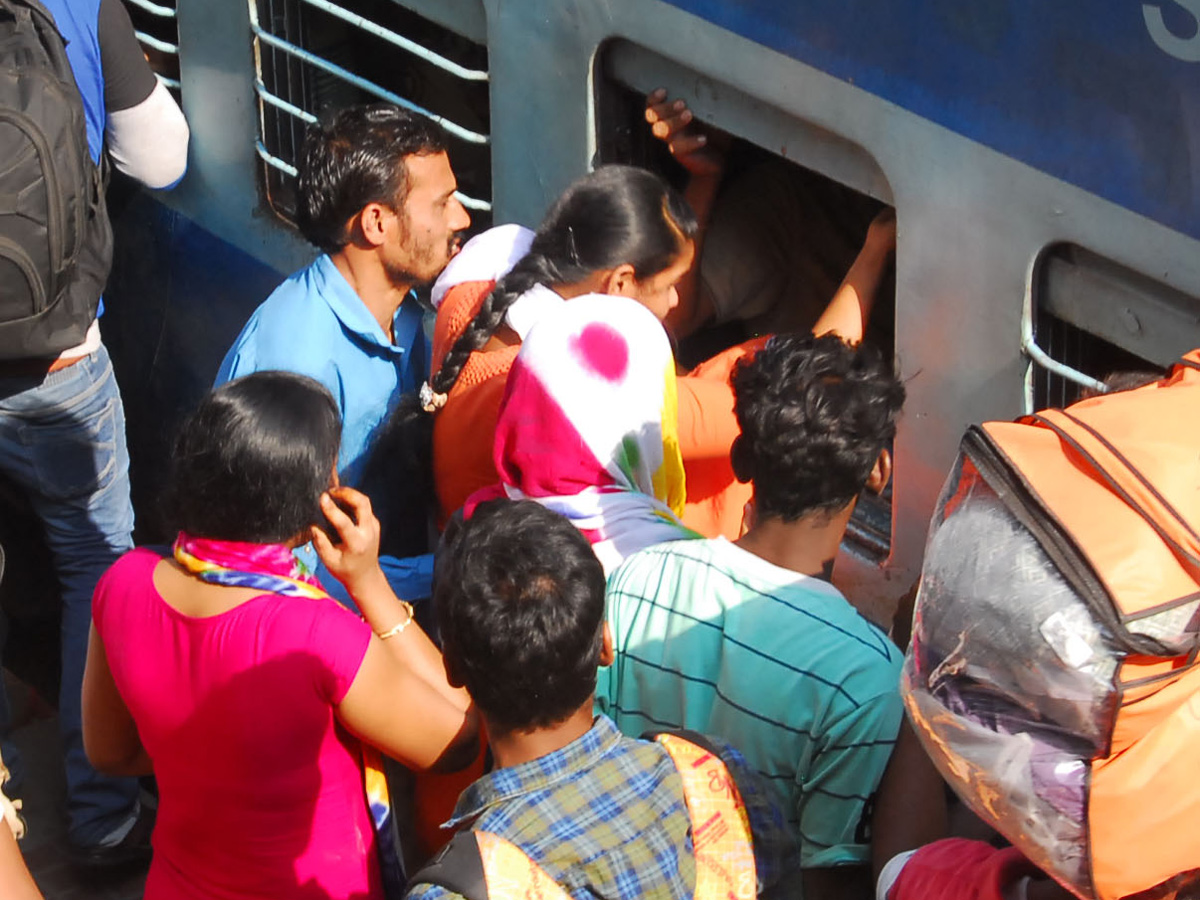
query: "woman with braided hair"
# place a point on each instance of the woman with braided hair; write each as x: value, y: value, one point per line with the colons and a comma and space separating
x: 618, y: 230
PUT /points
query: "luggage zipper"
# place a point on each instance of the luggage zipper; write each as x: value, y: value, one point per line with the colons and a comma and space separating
x: 55, y: 209
x: 10, y: 249
x: 1027, y: 507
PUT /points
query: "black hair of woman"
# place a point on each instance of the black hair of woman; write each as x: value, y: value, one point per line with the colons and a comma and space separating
x: 251, y: 462
x: 615, y: 215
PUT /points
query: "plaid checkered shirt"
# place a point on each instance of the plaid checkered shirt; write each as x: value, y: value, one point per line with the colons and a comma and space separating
x: 605, y: 817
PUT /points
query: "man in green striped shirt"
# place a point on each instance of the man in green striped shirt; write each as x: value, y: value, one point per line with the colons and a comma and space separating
x: 748, y: 640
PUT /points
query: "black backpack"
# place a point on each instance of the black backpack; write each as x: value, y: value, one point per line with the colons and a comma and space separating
x: 55, y: 237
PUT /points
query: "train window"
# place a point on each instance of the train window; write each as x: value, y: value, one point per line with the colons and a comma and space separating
x: 155, y: 25
x: 789, y: 218
x: 1093, y: 319
x: 313, y: 56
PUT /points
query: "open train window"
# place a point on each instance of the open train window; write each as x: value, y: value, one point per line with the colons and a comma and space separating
x: 789, y: 218
x: 154, y: 23
x: 1093, y: 319
x: 314, y: 56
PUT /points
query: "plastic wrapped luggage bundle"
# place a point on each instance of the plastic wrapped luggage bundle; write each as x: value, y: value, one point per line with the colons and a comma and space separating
x: 1052, y: 670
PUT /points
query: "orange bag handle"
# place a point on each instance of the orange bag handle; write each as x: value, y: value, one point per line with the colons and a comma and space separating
x: 1128, y: 483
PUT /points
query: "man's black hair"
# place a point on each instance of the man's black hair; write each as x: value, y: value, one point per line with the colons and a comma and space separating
x: 814, y: 412
x: 250, y: 464
x: 519, y: 596
x: 358, y: 158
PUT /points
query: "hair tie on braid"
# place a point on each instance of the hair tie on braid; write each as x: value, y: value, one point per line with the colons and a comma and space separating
x: 431, y: 401
x: 574, y: 251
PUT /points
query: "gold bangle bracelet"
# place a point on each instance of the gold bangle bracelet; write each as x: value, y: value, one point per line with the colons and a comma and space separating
x: 399, y: 626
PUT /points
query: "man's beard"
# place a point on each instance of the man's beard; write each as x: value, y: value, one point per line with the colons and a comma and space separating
x: 424, y: 265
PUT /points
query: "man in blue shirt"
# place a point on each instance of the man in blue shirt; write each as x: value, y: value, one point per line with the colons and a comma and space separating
x: 377, y: 195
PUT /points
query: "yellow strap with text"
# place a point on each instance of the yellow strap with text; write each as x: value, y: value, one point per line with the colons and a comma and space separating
x: 720, y: 828
x: 511, y: 874
x: 721, y: 838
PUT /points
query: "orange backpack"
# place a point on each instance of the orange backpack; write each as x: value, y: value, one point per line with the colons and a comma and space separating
x: 1052, y: 671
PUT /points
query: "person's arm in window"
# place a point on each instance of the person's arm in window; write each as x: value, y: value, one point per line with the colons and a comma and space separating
x: 145, y: 133
x: 850, y: 309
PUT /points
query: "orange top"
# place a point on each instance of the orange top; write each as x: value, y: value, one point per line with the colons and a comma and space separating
x: 463, y: 428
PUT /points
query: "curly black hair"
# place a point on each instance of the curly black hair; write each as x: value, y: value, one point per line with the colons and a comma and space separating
x: 519, y: 596
x: 814, y: 412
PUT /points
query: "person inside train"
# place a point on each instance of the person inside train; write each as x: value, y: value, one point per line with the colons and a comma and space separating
x: 619, y: 231
x: 587, y: 426
x: 225, y: 670
x: 775, y: 241
x: 520, y: 604
x: 748, y: 640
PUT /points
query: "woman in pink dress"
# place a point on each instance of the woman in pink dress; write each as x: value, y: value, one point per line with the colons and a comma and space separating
x: 226, y: 671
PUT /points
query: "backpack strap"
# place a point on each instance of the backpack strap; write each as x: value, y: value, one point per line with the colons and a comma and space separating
x: 480, y: 865
x: 721, y: 838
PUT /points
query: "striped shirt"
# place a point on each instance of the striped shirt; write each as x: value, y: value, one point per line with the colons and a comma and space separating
x: 605, y: 816
x: 712, y: 638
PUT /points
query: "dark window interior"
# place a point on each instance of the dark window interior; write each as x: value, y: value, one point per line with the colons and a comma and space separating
x: 1106, y: 321
x: 375, y: 59
x: 830, y: 225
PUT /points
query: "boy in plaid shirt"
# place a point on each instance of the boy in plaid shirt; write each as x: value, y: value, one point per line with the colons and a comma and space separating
x: 520, y: 604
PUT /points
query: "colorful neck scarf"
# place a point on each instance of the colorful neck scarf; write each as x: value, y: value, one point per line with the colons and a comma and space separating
x: 271, y: 568
x: 588, y: 425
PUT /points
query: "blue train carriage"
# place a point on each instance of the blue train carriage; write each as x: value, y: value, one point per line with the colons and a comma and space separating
x: 1043, y: 159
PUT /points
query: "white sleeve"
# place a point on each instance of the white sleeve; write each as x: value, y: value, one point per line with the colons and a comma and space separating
x: 149, y: 141
x: 890, y: 872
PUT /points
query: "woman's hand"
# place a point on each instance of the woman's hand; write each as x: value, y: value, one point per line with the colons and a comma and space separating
x: 354, y: 559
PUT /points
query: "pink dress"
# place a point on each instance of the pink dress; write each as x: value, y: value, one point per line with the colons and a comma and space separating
x: 261, y: 795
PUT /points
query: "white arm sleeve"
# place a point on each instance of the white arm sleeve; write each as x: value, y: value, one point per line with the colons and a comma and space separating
x: 149, y: 141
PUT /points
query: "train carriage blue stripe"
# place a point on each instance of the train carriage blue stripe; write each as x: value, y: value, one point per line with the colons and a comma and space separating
x: 1091, y: 93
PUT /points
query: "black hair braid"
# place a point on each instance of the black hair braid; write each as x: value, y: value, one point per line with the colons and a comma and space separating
x: 533, y: 269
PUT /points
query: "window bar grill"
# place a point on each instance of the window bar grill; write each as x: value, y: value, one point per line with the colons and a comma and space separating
x: 157, y: 43
x: 265, y: 41
x: 1039, y: 358
x: 398, y: 40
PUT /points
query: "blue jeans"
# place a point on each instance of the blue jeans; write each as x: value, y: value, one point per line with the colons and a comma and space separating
x: 62, y: 439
